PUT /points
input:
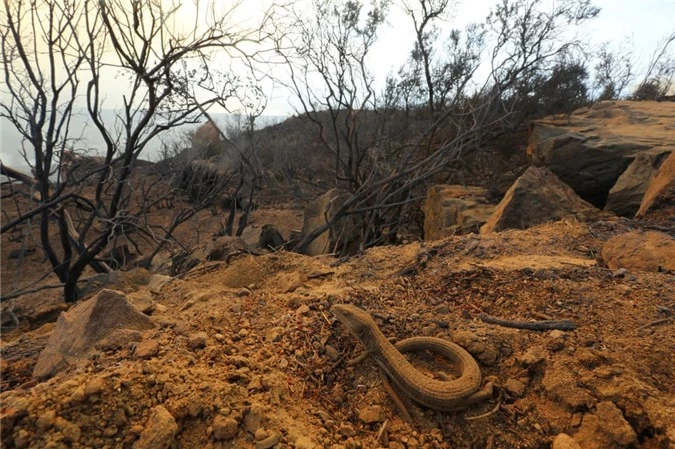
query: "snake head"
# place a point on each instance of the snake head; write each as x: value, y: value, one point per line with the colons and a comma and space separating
x: 357, y: 321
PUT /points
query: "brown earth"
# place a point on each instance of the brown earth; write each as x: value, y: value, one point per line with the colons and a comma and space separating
x: 247, y: 353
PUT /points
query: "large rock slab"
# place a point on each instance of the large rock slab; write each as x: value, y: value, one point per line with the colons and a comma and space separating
x: 660, y: 195
x: 78, y: 331
x: 537, y: 197
x: 649, y: 251
x: 626, y: 196
x: 590, y: 148
x: 343, y: 237
x: 455, y: 209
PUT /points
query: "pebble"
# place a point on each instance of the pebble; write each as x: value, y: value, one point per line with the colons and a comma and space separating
x: 515, y: 387
x: 161, y: 308
x: 372, y: 414
x: 532, y: 357
x: 254, y: 418
x: 621, y: 272
x: 564, y: 441
x: 442, y: 309
x: 197, y: 340
x: 181, y: 328
x: 22, y: 439
x: 255, y: 384
x: 71, y: 432
x: 268, y: 442
x: 46, y: 420
x: 613, y: 423
x: 332, y: 353
x: 220, y: 338
x: 261, y: 434
x: 147, y: 349
x: 304, y: 442
x: 346, y: 430
x: 77, y: 397
x: 302, y: 310
x: 159, y: 431
x: 224, y: 428
x: 96, y: 386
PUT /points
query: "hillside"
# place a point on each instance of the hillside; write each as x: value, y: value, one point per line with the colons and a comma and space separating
x: 243, y: 350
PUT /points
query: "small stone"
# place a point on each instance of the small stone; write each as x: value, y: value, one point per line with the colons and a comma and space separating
x: 254, y: 418
x: 613, y: 423
x: 372, y: 414
x: 220, y: 338
x: 159, y: 431
x: 332, y: 353
x: 197, y: 340
x: 46, y: 420
x: 71, y: 432
x: 346, y: 430
x: 147, y: 349
x: 443, y: 309
x: 564, y: 441
x: 268, y: 442
x: 243, y: 292
x: 532, y: 357
x: 302, y: 310
x: 224, y: 428
x: 77, y: 396
x: 396, y: 445
x: 110, y: 431
x: 304, y: 442
x: 22, y: 439
x: 182, y: 328
x: 621, y: 272
x: 96, y: 386
x: 557, y: 333
x: 161, y: 308
x: 243, y: 333
x: 261, y: 434
x: 489, y: 356
x: 515, y: 387
x: 255, y: 384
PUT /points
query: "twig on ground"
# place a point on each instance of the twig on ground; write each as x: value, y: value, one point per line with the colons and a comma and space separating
x: 25, y: 292
x: 486, y: 414
x: 320, y: 275
x: 565, y: 325
x: 654, y: 323
x: 200, y: 269
x: 383, y: 428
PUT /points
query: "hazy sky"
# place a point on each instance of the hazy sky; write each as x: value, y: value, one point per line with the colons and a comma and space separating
x: 643, y: 22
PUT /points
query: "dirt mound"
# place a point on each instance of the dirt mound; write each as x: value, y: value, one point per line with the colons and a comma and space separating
x: 247, y: 354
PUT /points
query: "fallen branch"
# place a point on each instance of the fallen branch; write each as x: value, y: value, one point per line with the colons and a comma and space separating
x: 25, y: 292
x: 564, y: 325
x: 654, y: 323
x: 485, y: 415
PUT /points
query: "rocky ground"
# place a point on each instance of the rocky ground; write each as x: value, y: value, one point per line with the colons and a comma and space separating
x: 245, y: 352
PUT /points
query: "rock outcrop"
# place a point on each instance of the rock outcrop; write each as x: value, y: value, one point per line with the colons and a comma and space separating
x: 343, y: 237
x: 660, y: 194
x: 82, y: 328
x: 455, y: 209
x: 626, y: 196
x: 537, y: 197
x: 590, y: 148
x: 649, y: 251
